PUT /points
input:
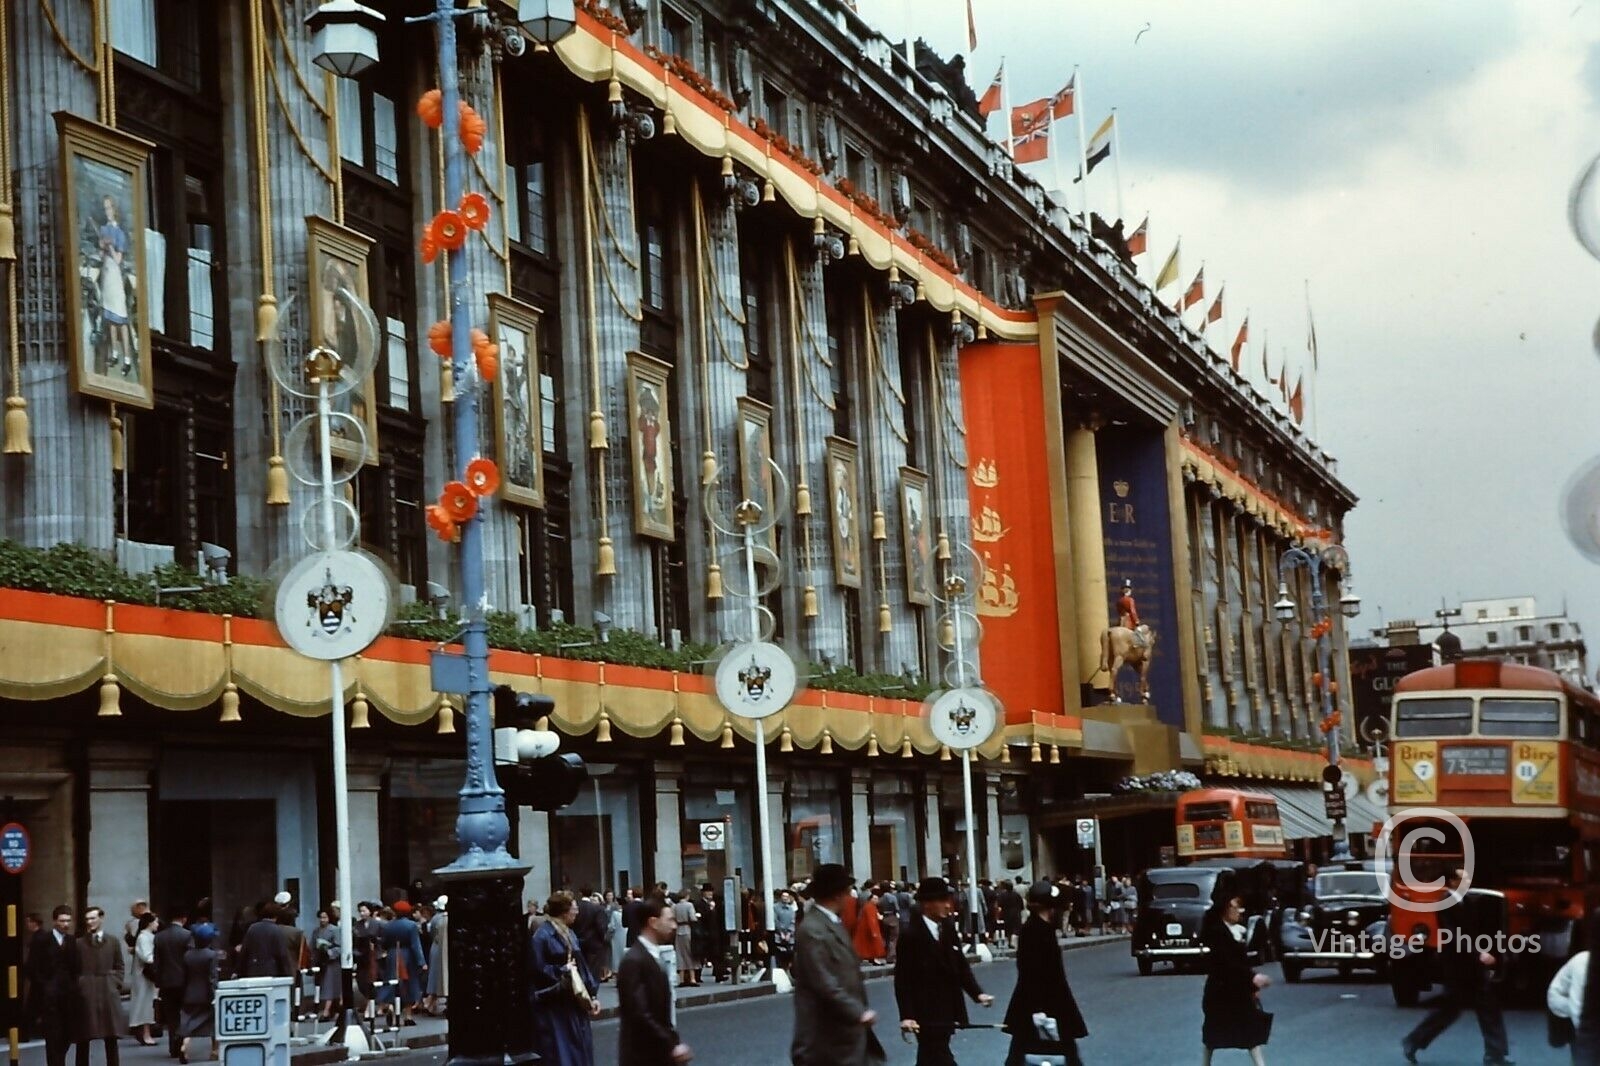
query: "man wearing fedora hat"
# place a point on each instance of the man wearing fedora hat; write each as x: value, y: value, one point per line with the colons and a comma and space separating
x: 930, y: 975
x: 832, y: 1022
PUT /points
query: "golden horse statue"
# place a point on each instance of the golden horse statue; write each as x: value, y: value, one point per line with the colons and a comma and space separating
x: 1121, y: 646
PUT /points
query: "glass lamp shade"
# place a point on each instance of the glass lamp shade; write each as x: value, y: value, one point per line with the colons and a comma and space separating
x: 1284, y: 606
x: 547, y: 21
x: 344, y: 37
x: 1350, y: 604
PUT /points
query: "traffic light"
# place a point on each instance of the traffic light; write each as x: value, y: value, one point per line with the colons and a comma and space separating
x: 526, y: 762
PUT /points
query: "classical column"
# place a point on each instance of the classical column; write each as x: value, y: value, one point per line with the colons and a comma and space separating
x: 366, y: 781
x: 119, y: 826
x: 991, y: 826
x: 533, y: 846
x: 860, y: 825
x: 776, y: 848
x: 1090, y: 595
x: 932, y: 855
x: 668, y: 859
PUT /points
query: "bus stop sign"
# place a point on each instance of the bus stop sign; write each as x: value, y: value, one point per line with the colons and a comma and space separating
x: 16, y: 848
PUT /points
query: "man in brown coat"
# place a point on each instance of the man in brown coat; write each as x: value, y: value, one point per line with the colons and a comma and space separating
x: 101, y: 982
x: 832, y: 1022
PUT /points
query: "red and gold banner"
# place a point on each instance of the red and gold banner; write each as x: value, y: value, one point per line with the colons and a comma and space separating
x: 1008, y: 486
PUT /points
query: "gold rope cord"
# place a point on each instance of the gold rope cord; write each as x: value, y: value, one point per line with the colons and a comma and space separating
x: 294, y: 127
x: 66, y: 45
x: 708, y: 281
x: 585, y: 162
x: 501, y: 188
x: 323, y: 109
x: 335, y: 147
x: 796, y: 357
x: 593, y: 200
x: 871, y: 331
x: 803, y: 327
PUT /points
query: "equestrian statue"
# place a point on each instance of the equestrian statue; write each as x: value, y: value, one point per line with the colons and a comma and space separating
x: 1128, y: 643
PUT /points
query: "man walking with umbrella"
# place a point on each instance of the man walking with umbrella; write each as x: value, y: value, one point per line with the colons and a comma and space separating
x: 931, y: 974
x: 1042, y: 989
x: 832, y: 1022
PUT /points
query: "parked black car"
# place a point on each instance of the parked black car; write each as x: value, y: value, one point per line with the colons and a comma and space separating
x: 1172, y: 900
x: 1342, y: 926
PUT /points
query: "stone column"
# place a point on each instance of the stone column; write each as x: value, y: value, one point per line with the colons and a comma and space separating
x: 883, y: 440
x: 668, y: 864
x: 119, y: 827
x: 947, y: 464
x: 366, y: 881
x: 990, y: 783
x: 533, y: 848
x: 860, y: 825
x: 777, y: 853
x: 809, y: 403
x: 1090, y: 595
x: 932, y: 856
x: 1211, y: 594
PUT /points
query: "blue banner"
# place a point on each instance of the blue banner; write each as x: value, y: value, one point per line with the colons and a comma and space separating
x: 1137, y: 523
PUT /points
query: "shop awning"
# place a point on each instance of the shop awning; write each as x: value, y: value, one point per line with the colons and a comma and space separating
x: 1364, y: 814
x: 1301, y: 812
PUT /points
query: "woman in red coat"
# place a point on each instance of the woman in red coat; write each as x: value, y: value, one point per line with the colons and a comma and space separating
x: 868, y: 933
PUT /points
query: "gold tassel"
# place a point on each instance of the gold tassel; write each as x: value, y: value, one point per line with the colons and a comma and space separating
x: 360, y: 712
x: 1005, y: 754
x: 872, y: 746
x: 597, y: 432
x: 110, y: 697
x: 880, y: 528
x: 714, y: 581
x: 921, y: 293
x: 768, y: 193
x: 802, y: 500
x: 983, y: 331
x: 669, y: 124
x: 447, y: 382
x: 277, y: 482
x: 944, y: 753
x: 447, y: 719
x: 727, y: 736
x: 1037, y: 754
x: 894, y: 274
x: 885, y: 619
x: 727, y: 166
x: 826, y: 747
x: 606, y: 563
x: 942, y: 553
x: 230, y: 703
x: 854, y: 247
x: 905, y: 748
x: 947, y: 632
x: 8, y: 234
x: 542, y: 723
x: 266, y: 316
x: 602, y: 732
x: 818, y: 228
x: 17, y: 427
x: 809, y: 602
x: 708, y: 468
x: 117, y: 452
x: 786, y: 740
x: 676, y: 733
x: 1055, y: 755
x: 614, y: 92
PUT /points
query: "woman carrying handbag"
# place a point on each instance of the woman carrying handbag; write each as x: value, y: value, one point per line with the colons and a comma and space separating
x: 1234, y: 1017
x: 565, y: 993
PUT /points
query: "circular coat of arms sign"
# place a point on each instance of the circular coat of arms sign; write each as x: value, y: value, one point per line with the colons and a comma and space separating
x: 332, y: 605
x: 963, y: 717
x: 755, y: 679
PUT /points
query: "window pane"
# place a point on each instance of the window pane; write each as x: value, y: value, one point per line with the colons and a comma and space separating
x: 547, y: 412
x: 656, y: 252
x: 133, y: 29
x: 201, y: 258
x: 1519, y: 718
x: 1433, y: 717
x: 399, y: 365
x: 533, y: 184
x: 513, y: 207
x: 155, y: 284
x: 351, y: 145
x: 385, y: 139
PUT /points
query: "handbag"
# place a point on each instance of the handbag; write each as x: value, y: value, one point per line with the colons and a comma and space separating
x: 574, y: 981
x: 1559, y: 1030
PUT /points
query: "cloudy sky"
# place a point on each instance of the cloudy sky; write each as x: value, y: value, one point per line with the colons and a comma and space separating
x: 1413, y: 163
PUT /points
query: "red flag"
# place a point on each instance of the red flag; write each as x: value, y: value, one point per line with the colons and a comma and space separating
x: 1214, y: 313
x: 1266, y: 371
x: 1297, y: 402
x: 1139, y: 238
x: 1196, y: 290
x: 1283, y: 379
x: 972, y: 29
x: 989, y: 103
x: 1032, y: 146
x: 1029, y: 117
x: 1238, y: 344
x: 1063, y: 103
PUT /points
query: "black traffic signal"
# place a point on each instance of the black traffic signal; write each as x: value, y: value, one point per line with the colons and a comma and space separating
x: 530, y: 770
x: 520, y: 710
x: 546, y: 784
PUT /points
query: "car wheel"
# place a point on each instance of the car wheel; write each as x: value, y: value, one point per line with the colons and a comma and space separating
x: 1146, y: 967
x: 1291, y: 972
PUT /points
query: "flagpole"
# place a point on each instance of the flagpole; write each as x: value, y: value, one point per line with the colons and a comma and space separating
x: 1005, y: 110
x: 1116, y: 158
x: 1083, y: 152
x: 1311, y: 337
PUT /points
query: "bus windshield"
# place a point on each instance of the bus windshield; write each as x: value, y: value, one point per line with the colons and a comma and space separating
x: 1450, y: 717
x: 1503, y: 717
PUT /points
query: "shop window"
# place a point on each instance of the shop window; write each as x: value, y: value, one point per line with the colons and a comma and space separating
x: 813, y: 828
x: 410, y: 530
x: 153, y: 465
x: 390, y: 282
x: 850, y: 600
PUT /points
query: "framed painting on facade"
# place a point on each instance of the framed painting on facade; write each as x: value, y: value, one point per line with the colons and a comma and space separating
x: 914, y: 535
x: 337, y: 258
x: 518, y: 415
x: 844, y: 494
x: 105, y: 267
x: 650, y: 445
x: 755, y: 454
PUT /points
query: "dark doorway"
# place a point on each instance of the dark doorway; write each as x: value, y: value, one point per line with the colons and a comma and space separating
x: 226, y: 850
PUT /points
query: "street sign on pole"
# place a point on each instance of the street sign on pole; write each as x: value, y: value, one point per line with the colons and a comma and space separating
x: 1333, y: 804
x: 1086, y: 833
x: 713, y: 836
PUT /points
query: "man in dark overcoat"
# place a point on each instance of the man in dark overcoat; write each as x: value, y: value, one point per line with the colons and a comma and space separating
x: 53, y: 969
x: 710, y: 937
x: 931, y: 974
x: 832, y: 1022
x: 1042, y: 985
x: 102, y: 980
x: 648, y: 1030
x: 264, y: 951
x: 1468, y: 970
x: 171, y: 943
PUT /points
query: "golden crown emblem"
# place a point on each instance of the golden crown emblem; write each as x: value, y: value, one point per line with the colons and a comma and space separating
x: 1121, y: 488
x: 984, y: 474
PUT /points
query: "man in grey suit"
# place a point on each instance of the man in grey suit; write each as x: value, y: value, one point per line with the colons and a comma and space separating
x: 832, y: 1022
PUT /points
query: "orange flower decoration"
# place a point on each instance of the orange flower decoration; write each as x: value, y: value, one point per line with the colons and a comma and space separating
x: 488, y: 358
x: 429, y: 247
x: 474, y: 210
x: 479, y: 339
x: 448, y: 230
x: 430, y: 108
x: 441, y: 523
x: 458, y: 501
x: 439, y: 338
x: 483, y: 477
x: 473, y: 128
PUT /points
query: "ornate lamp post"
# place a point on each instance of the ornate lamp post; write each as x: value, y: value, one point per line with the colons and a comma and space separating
x: 1334, y: 557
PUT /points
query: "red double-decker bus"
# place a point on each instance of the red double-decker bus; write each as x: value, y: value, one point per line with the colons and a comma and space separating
x: 1216, y: 823
x: 1513, y: 752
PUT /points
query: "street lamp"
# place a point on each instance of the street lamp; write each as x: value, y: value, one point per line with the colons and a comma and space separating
x: 547, y: 21
x: 1334, y: 557
x: 344, y: 37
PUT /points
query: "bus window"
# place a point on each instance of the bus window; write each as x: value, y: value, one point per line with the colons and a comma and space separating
x: 1208, y: 812
x: 1501, y: 717
x: 1450, y: 717
x: 1261, y: 811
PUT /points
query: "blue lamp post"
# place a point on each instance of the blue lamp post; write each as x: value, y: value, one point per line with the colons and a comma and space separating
x: 1333, y: 558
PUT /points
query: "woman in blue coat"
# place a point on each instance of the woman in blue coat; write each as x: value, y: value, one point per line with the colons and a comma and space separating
x: 408, y: 966
x: 560, y: 1014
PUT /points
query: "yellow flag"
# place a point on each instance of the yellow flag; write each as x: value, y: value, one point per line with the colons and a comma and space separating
x: 1169, y: 273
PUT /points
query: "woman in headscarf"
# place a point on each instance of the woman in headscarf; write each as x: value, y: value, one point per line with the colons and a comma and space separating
x: 201, y: 964
x: 561, y: 1013
x: 1574, y: 996
x: 1233, y: 1015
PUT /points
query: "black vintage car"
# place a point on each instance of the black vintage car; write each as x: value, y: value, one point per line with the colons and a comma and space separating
x: 1341, y: 926
x: 1173, y: 900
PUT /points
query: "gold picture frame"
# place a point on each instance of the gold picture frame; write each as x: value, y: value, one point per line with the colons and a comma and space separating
x: 650, y: 446
x: 105, y: 265
x: 518, y: 402
x: 844, y: 511
x: 755, y: 452
x: 914, y: 535
x: 336, y: 255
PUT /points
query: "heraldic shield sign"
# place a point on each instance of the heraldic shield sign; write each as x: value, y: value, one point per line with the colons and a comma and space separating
x: 755, y: 679
x: 332, y: 605
x: 963, y: 717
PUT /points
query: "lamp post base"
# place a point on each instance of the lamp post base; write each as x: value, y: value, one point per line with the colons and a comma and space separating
x: 491, y: 1020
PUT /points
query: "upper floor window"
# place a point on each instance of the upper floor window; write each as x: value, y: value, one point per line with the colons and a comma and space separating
x: 1513, y: 611
x: 528, y: 197
x: 1524, y: 634
x: 653, y: 245
x: 369, y: 129
x: 775, y: 108
x: 162, y: 34
x: 861, y: 170
x: 677, y: 33
x: 1491, y: 637
x: 1555, y: 630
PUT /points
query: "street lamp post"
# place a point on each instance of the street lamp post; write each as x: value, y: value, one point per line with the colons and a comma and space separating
x: 1334, y: 557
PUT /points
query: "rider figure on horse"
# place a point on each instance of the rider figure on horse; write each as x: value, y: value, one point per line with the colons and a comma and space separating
x: 1128, y: 612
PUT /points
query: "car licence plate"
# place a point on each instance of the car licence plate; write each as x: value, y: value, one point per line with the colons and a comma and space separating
x: 1174, y: 929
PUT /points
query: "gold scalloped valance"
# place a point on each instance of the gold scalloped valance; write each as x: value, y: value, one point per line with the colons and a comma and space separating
x: 1227, y: 757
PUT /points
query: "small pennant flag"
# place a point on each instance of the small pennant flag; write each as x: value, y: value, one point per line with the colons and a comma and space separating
x: 1311, y: 335
x: 1214, y: 312
x: 1169, y: 271
x: 1033, y: 146
x: 1297, y: 401
x: 1099, y: 145
x: 989, y: 103
x: 1283, y: 379
x: 1196, y: 290
x: 1266, y: 371
x: 1029, y: 117
x: 1139, y: 239
x: 1239, y: 343
x: 1063, y: 103
x: 972, y: 29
